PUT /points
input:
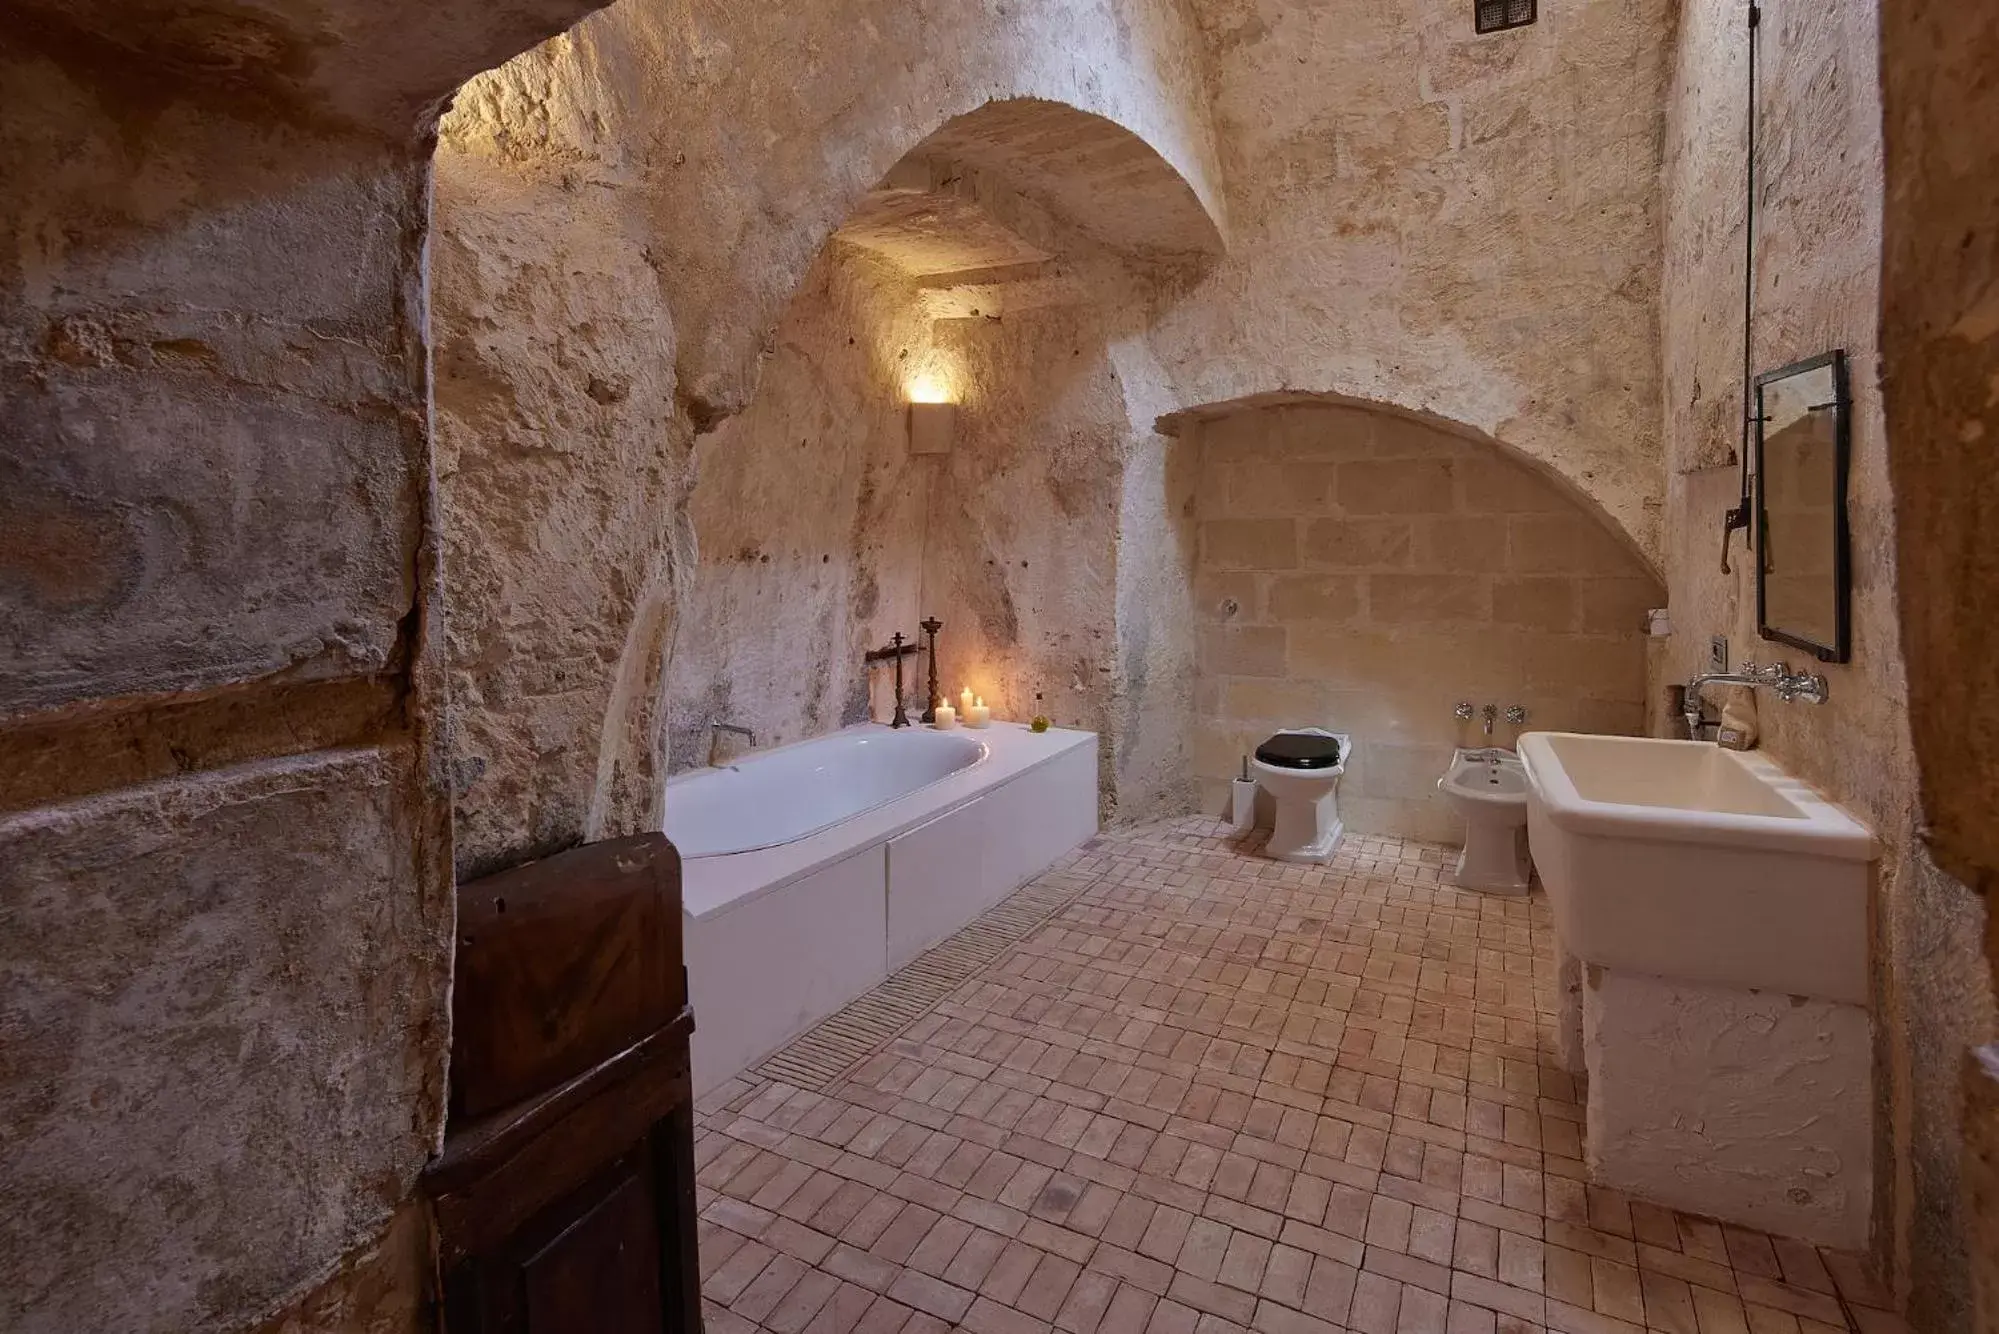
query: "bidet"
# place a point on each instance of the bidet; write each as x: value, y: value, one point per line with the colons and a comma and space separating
x: 1488, y: 788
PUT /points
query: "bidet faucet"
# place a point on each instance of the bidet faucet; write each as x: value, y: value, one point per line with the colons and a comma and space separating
x: 1778, y: 678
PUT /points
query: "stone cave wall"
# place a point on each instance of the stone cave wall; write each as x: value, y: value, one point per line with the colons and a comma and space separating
x: 820, y: 534
x: 1459, y: 225
x: 1817, y: 287
x: 225, y: 911
x: 563, y: 461
x: 1157, y: 545
x: 1364, y: 572
x: 809, y: 516
x: 1940, y: 354
x: 1021, y: 548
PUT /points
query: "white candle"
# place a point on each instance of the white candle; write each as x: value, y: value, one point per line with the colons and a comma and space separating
x: 965, y: 701
x: 978, y: 715
x: 947, y: 718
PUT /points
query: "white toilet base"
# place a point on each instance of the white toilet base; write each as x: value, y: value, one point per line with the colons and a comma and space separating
x: 1306, y: 837
x: 1306, y: 807
x: 1492, y: 861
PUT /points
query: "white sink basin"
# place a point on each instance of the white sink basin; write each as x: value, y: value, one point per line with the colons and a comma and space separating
x: 1684, y: 860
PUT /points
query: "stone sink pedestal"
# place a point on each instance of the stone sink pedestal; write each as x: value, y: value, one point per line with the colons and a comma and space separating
x: 1711, y: 913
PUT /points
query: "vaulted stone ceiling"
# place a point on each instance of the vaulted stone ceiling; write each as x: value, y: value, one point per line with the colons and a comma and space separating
x: 988, y: 214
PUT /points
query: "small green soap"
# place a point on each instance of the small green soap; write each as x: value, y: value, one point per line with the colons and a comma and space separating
x: 1040, y: 724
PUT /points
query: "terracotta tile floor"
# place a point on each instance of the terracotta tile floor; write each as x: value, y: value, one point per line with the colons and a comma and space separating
x: 1218, y: 1093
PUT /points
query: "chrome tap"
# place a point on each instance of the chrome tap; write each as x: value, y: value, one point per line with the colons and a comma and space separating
x: 717, y: 726
x: 1777, y: 677
x: 1487, y: 716
x: 895, y: 652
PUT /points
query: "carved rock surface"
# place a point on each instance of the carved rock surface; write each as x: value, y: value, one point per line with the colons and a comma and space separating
x: 225, y: 1027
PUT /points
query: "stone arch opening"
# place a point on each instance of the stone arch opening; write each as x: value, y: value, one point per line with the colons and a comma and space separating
x: 972, y: 264
x: 589, y: 371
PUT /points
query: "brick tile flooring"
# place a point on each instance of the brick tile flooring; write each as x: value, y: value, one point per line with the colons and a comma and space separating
x: 1218, y: 1093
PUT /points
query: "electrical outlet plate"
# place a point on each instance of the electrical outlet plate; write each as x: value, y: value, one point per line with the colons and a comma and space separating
x: 1717, y: 653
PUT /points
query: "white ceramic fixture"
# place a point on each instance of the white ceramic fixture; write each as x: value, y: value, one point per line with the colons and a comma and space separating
x: 1488, y: 788
x: 819, y: 868
x: 775, y: 797
x: 1683, y: 860
x: 1307, y: 824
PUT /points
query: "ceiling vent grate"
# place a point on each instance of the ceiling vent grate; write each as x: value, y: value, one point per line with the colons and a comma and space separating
x: 1499, y: 15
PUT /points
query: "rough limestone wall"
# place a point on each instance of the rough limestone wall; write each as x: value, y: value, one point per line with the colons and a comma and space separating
x: 1156, y: 640
x: 766, y: 150
x: 224, y: 884
x: 1020, y: 553
x: 1940, y: 355
x: 624, y: 214
x: 1462, y: 225
x: 808, y: 514
x: 1819, y: 247
x: 1364, y: 572
x: 562, y: 462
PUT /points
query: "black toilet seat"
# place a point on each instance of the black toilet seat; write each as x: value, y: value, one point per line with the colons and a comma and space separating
x: 1300, y: 750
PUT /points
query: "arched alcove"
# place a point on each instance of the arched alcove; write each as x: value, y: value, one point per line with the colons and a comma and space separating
x: 1365, y: 569
x: 578, y: 377
x: 820, y: 533
x: 1589, y: 501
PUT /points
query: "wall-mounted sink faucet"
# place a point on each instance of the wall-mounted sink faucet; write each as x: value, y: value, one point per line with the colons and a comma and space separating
x: 1487, y: 716
x: 1778, y: 678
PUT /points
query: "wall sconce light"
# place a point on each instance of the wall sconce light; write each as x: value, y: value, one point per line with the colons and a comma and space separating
x: 933, y: 418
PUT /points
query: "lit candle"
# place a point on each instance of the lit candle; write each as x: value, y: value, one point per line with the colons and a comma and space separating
x: 978, y: 715
x: 947, y: 718
x: 965, y: 701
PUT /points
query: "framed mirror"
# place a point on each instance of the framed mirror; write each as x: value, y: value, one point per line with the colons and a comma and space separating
x: 1803, y: 581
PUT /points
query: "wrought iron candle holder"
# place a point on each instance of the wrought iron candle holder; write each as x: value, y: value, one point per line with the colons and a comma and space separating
x: 930, y: 626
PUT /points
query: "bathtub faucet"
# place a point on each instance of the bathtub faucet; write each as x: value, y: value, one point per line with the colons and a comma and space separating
x: 897, y: 649
x: 745, y: 733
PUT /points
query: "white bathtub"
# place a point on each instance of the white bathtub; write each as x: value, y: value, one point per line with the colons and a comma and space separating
x: 784, y: 795
x: 813, y: 871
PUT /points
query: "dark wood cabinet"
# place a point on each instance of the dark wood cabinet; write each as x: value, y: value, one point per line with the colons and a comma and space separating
x: 564, y: 1198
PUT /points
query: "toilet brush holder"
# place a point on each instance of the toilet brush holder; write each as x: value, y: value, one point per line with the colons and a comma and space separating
x: 1242, y: 801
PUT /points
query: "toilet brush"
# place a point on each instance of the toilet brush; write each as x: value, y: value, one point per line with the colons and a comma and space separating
x: 1242, y: 800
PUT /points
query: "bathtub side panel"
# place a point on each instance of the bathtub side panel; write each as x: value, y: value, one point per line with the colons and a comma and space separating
x: 764, y: 972
x: 944, y: 873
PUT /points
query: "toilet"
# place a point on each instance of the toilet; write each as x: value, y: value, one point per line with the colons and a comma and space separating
x: 1301, y: 771
x: 1489, y: 789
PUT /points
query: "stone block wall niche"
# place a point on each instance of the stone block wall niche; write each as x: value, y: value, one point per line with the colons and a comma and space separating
x: 1365, y: 571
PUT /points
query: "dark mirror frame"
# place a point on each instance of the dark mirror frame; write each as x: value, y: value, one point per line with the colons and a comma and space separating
x: 1842, y: 568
